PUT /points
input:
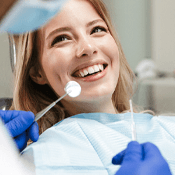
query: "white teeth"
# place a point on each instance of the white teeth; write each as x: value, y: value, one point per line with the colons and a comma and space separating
x: 85, y: 72
x: 82, y: 74
x: 96, y: 68
x: 91, y: 70
x: 101, y: 67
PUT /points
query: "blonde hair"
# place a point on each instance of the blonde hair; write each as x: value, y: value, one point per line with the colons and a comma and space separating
x: 29, y: 96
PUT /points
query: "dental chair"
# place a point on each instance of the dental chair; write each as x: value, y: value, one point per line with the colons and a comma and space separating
x: 5, y: 103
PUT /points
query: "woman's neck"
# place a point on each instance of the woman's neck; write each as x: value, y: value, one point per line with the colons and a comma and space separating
x: 102, y: 106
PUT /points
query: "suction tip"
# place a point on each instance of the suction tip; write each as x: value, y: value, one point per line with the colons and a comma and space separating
x: 73, y: 89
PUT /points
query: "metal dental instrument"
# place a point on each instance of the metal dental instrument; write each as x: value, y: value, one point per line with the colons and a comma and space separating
x: 72, y: 88
x: 133, y: 127
x: 13, y: 51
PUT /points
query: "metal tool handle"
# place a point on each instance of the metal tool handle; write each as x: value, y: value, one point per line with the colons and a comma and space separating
x: 41, y: 113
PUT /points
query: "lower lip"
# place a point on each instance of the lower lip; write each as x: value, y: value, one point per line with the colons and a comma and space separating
x: 95, y: 77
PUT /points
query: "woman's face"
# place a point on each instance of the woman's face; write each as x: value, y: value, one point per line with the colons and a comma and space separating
x: 79, y: 47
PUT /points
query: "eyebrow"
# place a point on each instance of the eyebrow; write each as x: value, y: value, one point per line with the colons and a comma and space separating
x: 58, y: 30
x: 94, y: 22
x: 69, y: 29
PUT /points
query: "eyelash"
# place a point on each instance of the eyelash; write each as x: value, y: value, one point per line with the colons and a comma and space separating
x: 99, y: 27
x: 60, y: 38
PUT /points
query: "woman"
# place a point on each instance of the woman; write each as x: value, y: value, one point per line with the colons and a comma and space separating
x: 34, y: 88
x: 84, y: 48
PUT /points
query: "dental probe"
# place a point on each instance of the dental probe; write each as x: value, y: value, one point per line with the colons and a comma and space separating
x: 72, y: 88
x: 133, y: 127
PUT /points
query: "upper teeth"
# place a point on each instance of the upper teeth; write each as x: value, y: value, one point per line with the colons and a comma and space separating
x: 90, y: 70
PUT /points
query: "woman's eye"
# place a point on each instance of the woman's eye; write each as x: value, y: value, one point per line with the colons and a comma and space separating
x: 98, y: 29
x: 59, y: 39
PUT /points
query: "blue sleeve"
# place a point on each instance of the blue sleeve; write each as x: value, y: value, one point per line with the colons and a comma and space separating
x: 25, y: 16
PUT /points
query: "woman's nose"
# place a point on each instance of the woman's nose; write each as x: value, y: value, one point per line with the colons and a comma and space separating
x: 86, y: 47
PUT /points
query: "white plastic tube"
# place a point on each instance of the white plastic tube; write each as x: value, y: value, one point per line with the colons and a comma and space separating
x: 133, y: 127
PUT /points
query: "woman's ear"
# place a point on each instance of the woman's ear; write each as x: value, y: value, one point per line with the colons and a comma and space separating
x: 37, y: 76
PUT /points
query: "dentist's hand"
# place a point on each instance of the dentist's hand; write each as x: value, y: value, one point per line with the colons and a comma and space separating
x: 141, y: 159
x: 21, y: 126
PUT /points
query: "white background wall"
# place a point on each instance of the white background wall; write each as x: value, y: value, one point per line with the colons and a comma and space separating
x: 163, y: 34
x: 6, y: 76
x: 163, y: 51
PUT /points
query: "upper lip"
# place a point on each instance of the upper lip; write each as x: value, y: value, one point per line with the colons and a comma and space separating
x: 85, y: 65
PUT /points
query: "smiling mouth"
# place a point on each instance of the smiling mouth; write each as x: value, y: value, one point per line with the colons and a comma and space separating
x: 88, y: 71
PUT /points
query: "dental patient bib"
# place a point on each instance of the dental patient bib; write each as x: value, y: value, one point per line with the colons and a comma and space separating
x: 86, y: 143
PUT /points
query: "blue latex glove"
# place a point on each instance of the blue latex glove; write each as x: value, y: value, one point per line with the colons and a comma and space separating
x: 25, y: 15
x: 21, y: 126
x: 141, y: 159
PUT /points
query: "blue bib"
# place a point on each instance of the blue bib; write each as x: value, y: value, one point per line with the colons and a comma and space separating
x: 85, y: 143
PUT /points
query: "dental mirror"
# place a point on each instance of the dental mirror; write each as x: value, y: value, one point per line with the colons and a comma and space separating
x: 72, y: 88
